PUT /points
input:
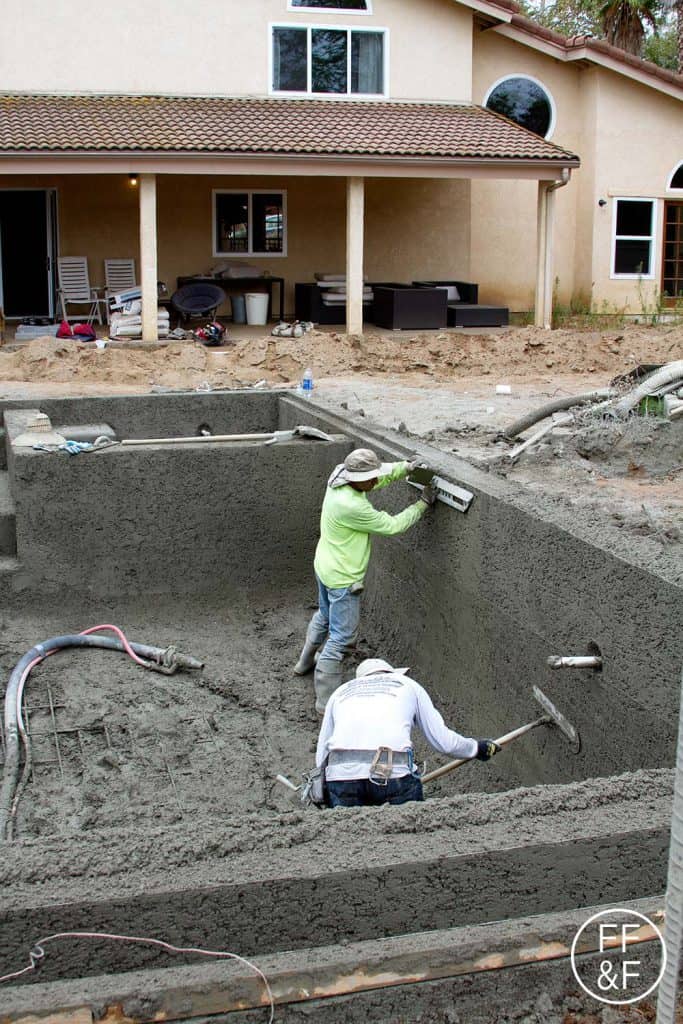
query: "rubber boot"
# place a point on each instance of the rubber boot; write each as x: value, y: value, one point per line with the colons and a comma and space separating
x: 315, y: 636
x: 328, y: 676
x: 307, y: 658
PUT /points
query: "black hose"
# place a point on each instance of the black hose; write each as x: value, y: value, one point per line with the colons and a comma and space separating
x: 12, y: 752
x: 522, y: 424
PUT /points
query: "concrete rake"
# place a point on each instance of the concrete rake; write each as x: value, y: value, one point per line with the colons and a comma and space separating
x: 552, y: 717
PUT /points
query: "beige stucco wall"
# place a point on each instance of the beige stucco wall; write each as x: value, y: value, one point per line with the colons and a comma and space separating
x: 639, y: 140
x: 414, y: 228
x: 504, y: 213
x: 216, y: 47
x: 629, y: 138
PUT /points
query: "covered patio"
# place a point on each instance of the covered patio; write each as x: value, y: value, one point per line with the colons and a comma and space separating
x: 377, y: 190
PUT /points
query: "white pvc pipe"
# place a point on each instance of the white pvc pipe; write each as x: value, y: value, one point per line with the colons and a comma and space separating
x: 665, y: 375
x: 200, y: 439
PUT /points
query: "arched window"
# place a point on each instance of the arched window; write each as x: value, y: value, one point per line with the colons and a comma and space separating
x: 524, y: 100
x: 676, y: 180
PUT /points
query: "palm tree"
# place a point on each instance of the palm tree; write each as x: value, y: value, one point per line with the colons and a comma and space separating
x: 623, y: 22
x: 677, y: 7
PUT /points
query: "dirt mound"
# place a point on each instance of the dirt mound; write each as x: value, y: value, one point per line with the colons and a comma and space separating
x: 441, y: 356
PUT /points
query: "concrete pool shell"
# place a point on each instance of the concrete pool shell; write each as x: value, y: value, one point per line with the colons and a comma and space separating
x: 176, y: 829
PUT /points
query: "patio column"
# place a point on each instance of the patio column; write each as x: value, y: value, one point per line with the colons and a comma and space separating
x: 545, y: 222
x: 539, y: 298
x: 355, y: 215
x: 148, y: 256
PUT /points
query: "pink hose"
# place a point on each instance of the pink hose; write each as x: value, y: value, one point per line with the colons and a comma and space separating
x: 122, y: 637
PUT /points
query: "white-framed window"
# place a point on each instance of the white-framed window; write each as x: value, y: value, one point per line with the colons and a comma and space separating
x: 345, y: 6
x: 633, y: 236
x: 676, y: 179
x: 327, y: 60
x: 249, y: 223
x: 526, y: 101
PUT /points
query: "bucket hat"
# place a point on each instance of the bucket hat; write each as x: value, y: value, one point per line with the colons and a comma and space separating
x: 363, y: 464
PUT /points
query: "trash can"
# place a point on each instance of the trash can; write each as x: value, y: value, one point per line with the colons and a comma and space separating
x: 239, y: 310
x: 257, y: 307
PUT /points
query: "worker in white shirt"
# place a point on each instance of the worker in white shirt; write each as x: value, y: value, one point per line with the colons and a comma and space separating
x: 365, y: 747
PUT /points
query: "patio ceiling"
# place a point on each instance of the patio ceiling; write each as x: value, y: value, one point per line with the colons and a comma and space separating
x: 96, y: 134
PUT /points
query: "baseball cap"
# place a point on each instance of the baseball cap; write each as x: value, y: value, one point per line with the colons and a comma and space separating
x: 372, y: 665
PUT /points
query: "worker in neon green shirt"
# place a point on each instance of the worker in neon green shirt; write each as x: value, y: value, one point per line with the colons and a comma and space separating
x: 347, y: 522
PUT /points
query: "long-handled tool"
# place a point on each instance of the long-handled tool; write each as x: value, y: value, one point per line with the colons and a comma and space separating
x: 551, y: 717
x: 271, y: 438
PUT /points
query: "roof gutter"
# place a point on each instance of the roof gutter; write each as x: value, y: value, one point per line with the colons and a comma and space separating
x: 311, y: 164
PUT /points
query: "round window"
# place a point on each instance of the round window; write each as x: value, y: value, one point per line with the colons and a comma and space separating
x: 524, y: 101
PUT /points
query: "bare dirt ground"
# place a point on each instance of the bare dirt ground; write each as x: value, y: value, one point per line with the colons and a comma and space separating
x: 436, y: 386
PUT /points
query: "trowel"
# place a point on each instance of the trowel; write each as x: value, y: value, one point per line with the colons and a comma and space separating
x: 552, y: 717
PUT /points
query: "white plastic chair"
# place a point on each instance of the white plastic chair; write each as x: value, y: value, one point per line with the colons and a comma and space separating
x: 75, y: 289
x: 119, y: 276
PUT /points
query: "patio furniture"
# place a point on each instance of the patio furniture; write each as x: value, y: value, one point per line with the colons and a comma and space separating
x: 75, y: 289
x: 240, y: 285
x: 309, y: 305
x: 464, y: 309
x: 197, y: 300
x: 398, y: 306
x: 463, y: 314
x: 119, y: 276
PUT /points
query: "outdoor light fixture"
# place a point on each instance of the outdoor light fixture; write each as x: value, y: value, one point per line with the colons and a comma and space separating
x: 132, y: 180
x: 602, y: 202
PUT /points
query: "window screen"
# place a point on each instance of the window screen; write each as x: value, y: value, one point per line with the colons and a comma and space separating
x: 290, y: 59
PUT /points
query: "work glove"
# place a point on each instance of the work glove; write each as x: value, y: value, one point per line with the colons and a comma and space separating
x: 486, y: 749
x: 428, y: 496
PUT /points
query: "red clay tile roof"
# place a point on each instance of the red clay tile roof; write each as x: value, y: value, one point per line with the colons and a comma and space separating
x: 139, y: 124
x: 525, y: 24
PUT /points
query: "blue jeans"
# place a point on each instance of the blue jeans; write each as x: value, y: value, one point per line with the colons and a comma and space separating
x: 337, y: 619
x: 363, y: 793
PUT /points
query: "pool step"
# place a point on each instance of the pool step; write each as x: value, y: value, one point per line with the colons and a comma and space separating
x: 8, y: 522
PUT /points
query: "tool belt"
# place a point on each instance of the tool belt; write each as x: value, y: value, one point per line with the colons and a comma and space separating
x: 381, y: 761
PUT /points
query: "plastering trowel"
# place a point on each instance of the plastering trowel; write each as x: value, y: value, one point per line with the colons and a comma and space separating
x: 551, y: 717
x: 450, y: 494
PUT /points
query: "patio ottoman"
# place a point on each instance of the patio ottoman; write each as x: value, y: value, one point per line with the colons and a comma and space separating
x: 466, y: 314
x: 404, y: 307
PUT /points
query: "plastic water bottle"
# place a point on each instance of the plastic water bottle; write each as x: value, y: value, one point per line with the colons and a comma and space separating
x: 307, y: 383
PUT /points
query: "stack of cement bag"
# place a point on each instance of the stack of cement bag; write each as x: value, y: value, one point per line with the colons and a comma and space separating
x: 126, y: 321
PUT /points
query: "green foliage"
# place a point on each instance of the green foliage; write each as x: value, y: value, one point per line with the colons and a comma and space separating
x: 644, y: 27
x: 568, y: 17
x: 662, y: 48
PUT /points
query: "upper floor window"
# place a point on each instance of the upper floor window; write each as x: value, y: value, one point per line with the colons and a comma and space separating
x: 338, y: 61
x: 677, y: 178
x: 333, y: 5
x: 633, y: 238
x: 249, y: 223
x: 525, y: 101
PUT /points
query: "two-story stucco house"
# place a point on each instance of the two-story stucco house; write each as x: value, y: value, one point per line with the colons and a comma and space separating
x: 307, y: 136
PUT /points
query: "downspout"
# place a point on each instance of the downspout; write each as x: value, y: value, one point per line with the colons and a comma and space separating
x: 548, y: 203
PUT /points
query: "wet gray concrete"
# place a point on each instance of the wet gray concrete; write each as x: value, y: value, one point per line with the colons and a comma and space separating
x: 212, y: 550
